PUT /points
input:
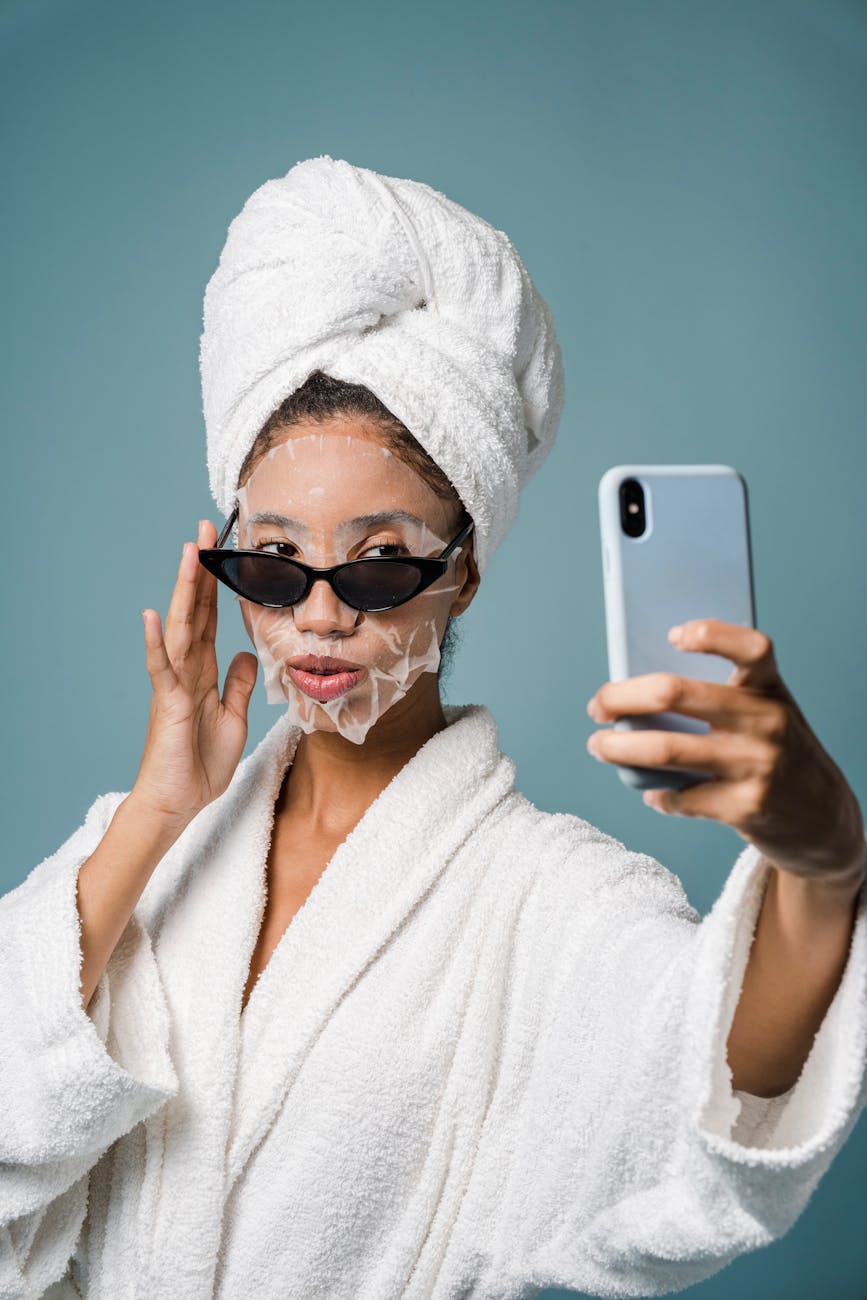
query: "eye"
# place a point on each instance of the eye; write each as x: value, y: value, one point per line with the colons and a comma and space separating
x: 393, y: 548
x: 260, y: 546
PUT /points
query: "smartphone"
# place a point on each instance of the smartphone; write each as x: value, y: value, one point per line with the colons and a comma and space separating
x: 675, y: 546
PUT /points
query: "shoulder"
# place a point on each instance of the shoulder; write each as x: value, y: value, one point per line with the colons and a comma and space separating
x: 570, y: 861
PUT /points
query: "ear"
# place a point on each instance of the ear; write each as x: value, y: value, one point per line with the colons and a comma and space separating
x: 467, y: 579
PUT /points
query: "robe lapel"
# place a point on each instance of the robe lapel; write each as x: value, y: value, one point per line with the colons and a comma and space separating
x: 389, y: 861
x: 210, y: 896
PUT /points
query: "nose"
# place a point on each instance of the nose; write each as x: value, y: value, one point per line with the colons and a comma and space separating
x: 322, y: 611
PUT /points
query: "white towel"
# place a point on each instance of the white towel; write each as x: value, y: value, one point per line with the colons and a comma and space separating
x: 388, y: 283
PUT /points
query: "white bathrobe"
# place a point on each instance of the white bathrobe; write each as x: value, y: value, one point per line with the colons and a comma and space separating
x: 486, y: 1057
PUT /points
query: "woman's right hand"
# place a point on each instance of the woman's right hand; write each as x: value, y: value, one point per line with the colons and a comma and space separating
x: 194, y: 738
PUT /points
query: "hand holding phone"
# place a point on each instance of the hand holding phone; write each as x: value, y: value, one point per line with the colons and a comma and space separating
x: 675, y: 547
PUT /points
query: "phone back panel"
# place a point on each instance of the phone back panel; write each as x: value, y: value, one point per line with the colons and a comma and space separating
x: 692, y: 561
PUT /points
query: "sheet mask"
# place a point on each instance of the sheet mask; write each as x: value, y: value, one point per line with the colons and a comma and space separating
x: 323, y: 481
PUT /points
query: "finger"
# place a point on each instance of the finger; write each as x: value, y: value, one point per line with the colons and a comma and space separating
x: 727, y: 707
x: 205, y: 622
x: 179, y: 619
x: 160, y: 671
x: 712, y: 799
x: 728, y: 755
x: 751, y: 651
x: 240, y: 680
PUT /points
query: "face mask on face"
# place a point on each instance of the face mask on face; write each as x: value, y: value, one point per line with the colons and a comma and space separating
x: 311, y: 499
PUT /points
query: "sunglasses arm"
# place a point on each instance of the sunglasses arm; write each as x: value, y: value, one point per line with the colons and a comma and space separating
x: 228, y: 528
x: 465, y: 531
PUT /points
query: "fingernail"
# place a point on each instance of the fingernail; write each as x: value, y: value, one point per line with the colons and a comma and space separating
x: 675, y: 633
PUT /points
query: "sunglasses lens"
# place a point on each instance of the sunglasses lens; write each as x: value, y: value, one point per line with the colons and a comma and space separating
x: 378, y: 584
x: 265, y: 579
x: 272, y: 580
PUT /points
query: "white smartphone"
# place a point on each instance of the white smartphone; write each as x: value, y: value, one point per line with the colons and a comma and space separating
x: 675, y: 547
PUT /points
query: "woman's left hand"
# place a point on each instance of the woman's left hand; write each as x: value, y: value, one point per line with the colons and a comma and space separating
x: 772, y: 782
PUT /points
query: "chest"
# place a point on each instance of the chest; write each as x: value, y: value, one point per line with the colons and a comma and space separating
x: 297, y: 857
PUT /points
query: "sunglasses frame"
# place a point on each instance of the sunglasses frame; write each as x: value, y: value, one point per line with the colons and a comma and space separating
x: 429, y: 568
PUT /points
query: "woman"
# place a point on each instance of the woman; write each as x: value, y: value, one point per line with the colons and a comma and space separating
x: 350, y: 1016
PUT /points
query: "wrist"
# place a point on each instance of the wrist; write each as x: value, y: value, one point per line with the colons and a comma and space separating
x: 828, y: 894
x: 851, y: 874
x: 151, y: 821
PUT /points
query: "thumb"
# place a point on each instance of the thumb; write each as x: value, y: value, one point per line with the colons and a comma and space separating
x: 239, y: 683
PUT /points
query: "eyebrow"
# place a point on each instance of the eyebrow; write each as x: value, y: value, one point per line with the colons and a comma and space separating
x: 360, y: 521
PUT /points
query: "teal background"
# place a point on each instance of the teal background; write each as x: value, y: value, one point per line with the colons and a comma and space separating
x: 686, y: 184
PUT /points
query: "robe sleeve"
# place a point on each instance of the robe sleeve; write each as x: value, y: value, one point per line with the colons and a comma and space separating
x: 71, y: 1081
x: 635, y: 1168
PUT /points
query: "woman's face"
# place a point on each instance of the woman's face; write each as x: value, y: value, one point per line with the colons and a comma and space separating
x: 311, y: 498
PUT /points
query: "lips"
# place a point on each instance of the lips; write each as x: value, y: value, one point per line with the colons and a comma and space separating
x: 322, y: 677
x: 323, y: 664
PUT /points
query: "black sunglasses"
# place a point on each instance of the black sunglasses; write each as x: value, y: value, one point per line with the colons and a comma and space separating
x: 372, y: 585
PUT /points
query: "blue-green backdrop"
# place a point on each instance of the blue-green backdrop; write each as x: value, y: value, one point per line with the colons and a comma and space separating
x: 686, y: 183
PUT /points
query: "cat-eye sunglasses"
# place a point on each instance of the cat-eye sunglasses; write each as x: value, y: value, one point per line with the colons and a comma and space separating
x: 373, y: 585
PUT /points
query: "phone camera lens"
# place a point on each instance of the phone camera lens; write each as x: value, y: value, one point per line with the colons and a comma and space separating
x: 632, y: 513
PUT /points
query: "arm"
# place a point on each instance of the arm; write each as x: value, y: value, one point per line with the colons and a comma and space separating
x: 797, y: 959
x: 112, y: 879
x: 192, y: 748
x: 84, y: 1022
x: 778, y: 787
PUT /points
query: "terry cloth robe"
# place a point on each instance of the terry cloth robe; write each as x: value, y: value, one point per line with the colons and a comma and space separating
x: 486, y: 1057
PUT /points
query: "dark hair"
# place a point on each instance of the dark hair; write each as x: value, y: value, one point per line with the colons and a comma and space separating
x: 322, y: 397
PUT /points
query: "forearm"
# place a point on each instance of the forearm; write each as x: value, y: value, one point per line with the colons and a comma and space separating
x: 111, y: 882
x: 798, y: 955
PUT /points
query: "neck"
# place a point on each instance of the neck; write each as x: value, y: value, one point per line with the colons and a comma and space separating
x: 334, y: 781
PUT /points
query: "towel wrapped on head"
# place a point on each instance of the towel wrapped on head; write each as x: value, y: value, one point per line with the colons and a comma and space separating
x: 387, y: 283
